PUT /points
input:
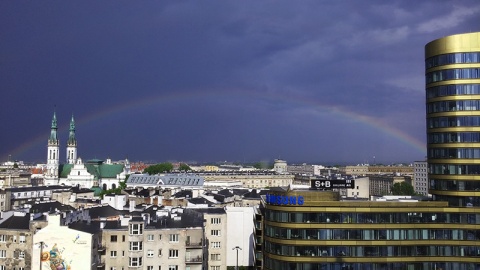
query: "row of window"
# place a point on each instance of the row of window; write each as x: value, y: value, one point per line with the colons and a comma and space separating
x: 452, y: 74
x: 272, y: 264
x: 454, y: 169
x: 371, y: 251
x: 453, y: 105
x: 21, y: 238
x: 450, y: 137
x: 395, y: 234
x: 173, y: 238
x: 3, y: 267
x: 458, y: 201
x: 453, y: 90
x: 137, y: 246
x: 452, y: 58
x: 467, y: 153
x: 454, y: 121
x: 454, y: 185
x: 17, y: 254
x: 360, y: 218
x: 138, y: 264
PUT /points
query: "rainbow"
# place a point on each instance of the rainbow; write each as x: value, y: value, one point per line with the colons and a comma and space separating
x: 375, y: 123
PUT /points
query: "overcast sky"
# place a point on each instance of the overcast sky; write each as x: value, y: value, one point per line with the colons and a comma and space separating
x: 306, y: 81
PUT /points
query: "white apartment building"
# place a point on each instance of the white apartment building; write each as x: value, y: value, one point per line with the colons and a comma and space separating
x: 420, y: 177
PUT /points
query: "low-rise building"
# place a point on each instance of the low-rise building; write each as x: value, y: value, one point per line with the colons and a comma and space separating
x: 14, y: 178
x: 382, y: 184
x: 260, y: 179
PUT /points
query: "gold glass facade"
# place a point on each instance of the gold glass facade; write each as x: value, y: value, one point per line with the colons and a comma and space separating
x: 452, y: 78
x: 326, y: 233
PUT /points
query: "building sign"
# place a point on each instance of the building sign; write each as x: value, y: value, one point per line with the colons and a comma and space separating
x: 284, y: 200
x: 331, y: 184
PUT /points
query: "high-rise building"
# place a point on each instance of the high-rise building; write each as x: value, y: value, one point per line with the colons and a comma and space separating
x: 452, y: 73
x: 316, y: 229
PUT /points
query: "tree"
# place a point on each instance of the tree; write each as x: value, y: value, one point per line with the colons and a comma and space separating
x: 403, y: 188
x: 159, y: 168
x: 184, y: 167
x: 15, y: 165
x: 262, y: 165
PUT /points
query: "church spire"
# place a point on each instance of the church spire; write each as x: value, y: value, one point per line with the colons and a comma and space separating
x: 51, y: 175
x: 72, y: 144
x: 71, y: 136
x: 53, y: 131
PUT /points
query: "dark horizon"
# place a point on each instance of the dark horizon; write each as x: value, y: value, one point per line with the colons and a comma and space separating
x: 210, y: 81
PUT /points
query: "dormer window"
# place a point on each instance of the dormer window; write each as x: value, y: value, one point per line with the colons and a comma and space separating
x: 136, y: 229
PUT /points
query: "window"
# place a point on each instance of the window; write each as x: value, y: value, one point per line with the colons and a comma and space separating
x: 215, y: 267
x: 134, y: 261
x: 173, y: 238
x: 113, y: 268
x: 150, y: 237
x: 215, y: 232
x: 150, y: 253
x: 135, y: 229
x: 123, y: 238
x: 135, y: 246
x: 21, y: 255
x: 215, y: 244
x: 159, y: 237
x: 113, y: 253
x: 22, y: 239
x: 3, y: 253
x: 215, y: 220
x: 149, y: 267
x: 173, y: 267
x: 159, y: 252
x: 215, y: 257
x: 3, y: 238
x: 123, y: 253
x: 113, y: 238
x: 173, y: 253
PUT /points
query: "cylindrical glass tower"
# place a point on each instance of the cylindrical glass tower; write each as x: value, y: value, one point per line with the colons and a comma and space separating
x: 452, y: 74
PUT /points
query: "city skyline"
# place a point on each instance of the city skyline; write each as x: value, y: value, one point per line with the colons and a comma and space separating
x: 211, y: 81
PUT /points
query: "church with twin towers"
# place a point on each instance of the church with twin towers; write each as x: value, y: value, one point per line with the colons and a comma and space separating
x: 93, y: 173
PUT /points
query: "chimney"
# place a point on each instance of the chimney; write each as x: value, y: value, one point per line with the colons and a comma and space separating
x: 132, y: 205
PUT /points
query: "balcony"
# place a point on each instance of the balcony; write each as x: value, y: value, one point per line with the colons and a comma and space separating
x: 194, y: 260
x: 192, y: 244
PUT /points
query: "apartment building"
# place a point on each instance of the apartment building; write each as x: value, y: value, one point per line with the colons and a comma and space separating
x: 155, y: 239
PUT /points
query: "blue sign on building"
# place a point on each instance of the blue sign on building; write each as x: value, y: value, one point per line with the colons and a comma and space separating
x: 284, y: 200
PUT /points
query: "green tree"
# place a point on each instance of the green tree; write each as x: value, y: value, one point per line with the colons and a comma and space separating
x: 123, y: 184
x: 403, y: 188
x: 15, y: 165
x: 184, y: 167
x: 262, y: 165
x: 159, y: 168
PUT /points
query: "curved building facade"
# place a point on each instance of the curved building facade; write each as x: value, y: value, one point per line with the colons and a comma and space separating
x: 315, y: 230
x: 452, y: 76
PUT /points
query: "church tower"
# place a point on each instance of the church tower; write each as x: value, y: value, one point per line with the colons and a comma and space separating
x: 72, y: 144
x: 53, y: 154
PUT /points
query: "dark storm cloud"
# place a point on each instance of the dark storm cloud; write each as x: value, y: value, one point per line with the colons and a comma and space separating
x: 231, y: 80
